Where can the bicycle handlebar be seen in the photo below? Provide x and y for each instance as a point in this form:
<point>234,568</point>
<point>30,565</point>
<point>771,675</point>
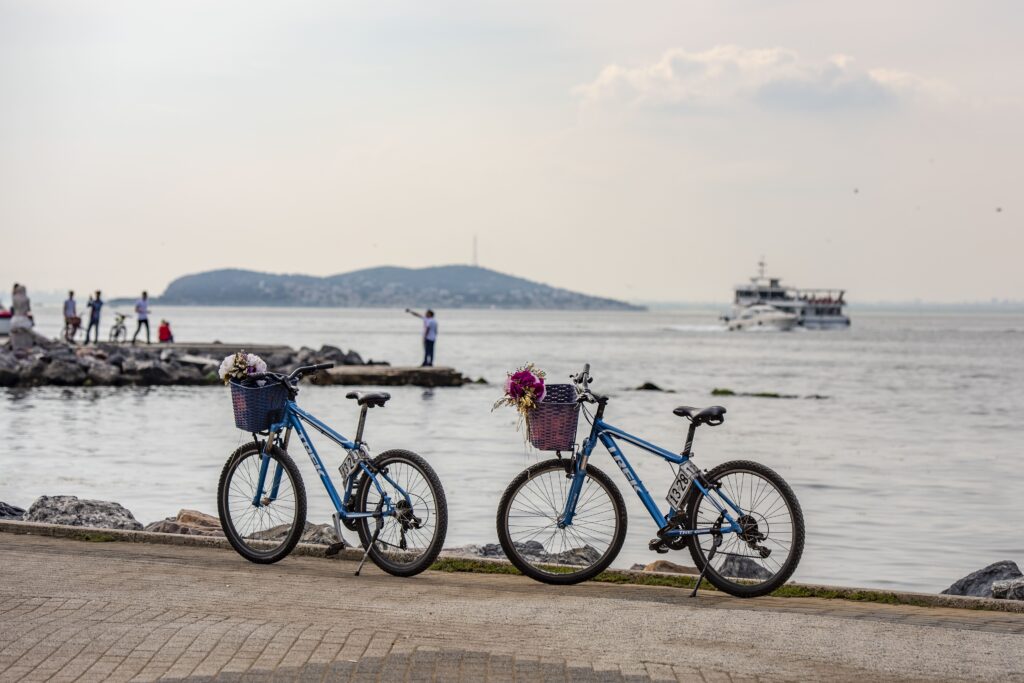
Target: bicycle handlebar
<point>582,381</point>
<point>295,375</point>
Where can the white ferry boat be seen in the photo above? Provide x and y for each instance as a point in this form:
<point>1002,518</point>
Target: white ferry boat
<point>762,317</point>
<point>813,308</point>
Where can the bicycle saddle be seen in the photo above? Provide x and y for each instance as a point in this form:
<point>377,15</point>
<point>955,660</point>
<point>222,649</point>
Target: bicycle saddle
<point>370,399</point>
<point>713,415</point>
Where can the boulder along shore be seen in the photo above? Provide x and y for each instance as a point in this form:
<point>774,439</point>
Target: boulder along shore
<point>57,363</point>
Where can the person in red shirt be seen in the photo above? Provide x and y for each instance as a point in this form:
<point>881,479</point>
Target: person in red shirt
<point>164,333</point>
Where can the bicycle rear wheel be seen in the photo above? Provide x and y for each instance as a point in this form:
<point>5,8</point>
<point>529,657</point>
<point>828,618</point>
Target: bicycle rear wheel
<point>409,541</point>
<point>528,523</point>
<point>772,522</point>
<point>265,532</point>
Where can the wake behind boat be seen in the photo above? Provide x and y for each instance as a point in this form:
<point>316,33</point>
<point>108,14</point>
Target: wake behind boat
<point>765,301</point>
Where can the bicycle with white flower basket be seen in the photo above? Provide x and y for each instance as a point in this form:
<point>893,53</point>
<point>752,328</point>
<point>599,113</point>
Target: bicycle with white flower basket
<point>394,501</point>
<point>563,521</point>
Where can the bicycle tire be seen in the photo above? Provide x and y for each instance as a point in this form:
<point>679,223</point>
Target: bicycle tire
<point>439,513</point>
<point>745,587</point>
<point>118,334</point>
<point>258,553</point>
<point>557,573</point>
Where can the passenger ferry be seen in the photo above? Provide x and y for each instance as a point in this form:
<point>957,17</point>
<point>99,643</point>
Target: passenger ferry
<point>813,308</point>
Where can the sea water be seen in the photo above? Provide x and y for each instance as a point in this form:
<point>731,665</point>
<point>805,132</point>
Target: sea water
<point>907,464</point>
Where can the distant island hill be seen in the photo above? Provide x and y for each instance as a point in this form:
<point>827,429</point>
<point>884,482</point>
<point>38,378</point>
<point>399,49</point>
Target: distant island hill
<point>435,287</point>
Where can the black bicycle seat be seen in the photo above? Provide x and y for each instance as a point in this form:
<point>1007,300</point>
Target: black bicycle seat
<point>370,399</point>
<point>713,415</point>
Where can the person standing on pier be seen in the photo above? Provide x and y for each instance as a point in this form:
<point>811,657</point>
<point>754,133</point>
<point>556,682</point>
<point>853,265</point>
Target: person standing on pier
<point>142,311</point>
<point>22,322</point>
<point>71,319</point>
<point>429,335</point>
<point>94,305</point>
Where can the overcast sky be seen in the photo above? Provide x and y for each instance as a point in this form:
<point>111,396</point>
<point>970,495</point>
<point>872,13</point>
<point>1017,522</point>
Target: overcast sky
<point>647,151</point>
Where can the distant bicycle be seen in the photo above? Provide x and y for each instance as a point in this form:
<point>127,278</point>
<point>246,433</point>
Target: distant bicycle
<point>72,326</point>
<point>118,331</point>
<point>563,521</point>
<point>394,501</point>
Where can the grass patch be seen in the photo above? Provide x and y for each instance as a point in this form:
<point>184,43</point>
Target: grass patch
<point>685,581</point>
<point>98,537</point>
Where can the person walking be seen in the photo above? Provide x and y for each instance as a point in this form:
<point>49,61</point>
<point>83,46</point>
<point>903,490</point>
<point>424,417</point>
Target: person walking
<point>94,306</point>
<point>22,337</point>
<point>142,311</point>
<point>429,335</point>
<point>71,320</point>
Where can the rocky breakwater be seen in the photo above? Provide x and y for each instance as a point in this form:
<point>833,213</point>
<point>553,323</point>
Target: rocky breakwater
<point>103,514</point>
<point>61,364</point>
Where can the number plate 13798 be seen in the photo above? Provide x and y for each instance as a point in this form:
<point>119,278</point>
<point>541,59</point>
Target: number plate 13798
<point>677,492</point>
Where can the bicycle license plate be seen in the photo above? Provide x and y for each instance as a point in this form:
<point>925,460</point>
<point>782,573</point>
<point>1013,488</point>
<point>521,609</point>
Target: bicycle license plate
<point>350,464</point>
<point>677,492</point>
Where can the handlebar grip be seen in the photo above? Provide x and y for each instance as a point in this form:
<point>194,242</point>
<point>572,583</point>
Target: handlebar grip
<point>320,366</point>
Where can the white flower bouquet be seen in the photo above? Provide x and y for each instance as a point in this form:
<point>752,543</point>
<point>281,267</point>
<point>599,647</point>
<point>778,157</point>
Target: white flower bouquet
<point>241,366</point>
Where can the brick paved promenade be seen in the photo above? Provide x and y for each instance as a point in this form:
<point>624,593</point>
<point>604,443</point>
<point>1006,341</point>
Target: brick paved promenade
<point>93,611</point>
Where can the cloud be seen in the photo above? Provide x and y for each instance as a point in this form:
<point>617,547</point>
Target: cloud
<point>727,75</point>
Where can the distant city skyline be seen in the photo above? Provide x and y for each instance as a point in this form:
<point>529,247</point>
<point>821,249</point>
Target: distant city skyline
<point>646,155</point>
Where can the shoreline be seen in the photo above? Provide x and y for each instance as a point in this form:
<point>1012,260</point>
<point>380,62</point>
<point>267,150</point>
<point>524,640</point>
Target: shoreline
<point>476,565</point>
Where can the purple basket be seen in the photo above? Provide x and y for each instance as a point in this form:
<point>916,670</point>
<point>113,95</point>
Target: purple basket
<point>552,424</point>
<point>256,408</point>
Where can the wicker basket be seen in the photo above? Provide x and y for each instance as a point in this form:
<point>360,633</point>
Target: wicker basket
<point>552,424</point>
<point>256,408</point>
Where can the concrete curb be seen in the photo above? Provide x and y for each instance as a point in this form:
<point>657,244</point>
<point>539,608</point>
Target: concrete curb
<point>312,550</point>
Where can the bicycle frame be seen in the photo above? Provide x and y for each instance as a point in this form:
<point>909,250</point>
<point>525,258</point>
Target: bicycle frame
<point>608,435</point>
<point>293,419</point>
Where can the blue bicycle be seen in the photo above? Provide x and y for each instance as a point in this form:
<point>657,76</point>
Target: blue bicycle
<point>563,521</point>
<point>394,501</point>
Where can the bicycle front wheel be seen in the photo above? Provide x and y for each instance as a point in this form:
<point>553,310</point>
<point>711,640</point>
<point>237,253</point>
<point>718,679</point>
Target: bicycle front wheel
<point>762,557</point>
<point>530,530</point>
<point>410,540</point>
<point>118,334</point>
<point>262,524</point>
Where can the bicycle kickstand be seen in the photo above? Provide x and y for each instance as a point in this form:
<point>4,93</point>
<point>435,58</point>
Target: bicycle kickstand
<point>376,533</point>
<point>716,534</point>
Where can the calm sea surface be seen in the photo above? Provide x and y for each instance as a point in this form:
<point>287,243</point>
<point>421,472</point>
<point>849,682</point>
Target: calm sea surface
<point>909,473</point>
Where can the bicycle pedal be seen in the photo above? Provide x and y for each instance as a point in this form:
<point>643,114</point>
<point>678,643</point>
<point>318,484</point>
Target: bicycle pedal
<point>658,546</point>
<point>333,549</point>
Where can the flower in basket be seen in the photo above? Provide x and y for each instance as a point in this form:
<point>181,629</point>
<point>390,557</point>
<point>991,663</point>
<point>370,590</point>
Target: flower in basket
<point>524,389</point>
<point>241,366</point>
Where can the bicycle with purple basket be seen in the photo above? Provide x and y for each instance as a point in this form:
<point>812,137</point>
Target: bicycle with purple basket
<point>563,521</point>
<point>394,501</point>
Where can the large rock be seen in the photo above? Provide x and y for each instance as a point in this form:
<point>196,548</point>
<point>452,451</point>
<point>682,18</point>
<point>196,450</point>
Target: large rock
<point>64,372</point>
<point>75,512</point>
<point>1010,589</point>
<point>8,511</point>
<point>533,551</point>
<point>9,374</point>
<point>979,583</point>
<point>671,567</point>
<point>189,523</point>
<point>322,534</point>
<point>738,567</point>
<point>103,373</point>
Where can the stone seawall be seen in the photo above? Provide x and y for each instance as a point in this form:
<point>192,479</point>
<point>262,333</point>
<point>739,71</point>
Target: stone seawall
<point>56,363</point>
